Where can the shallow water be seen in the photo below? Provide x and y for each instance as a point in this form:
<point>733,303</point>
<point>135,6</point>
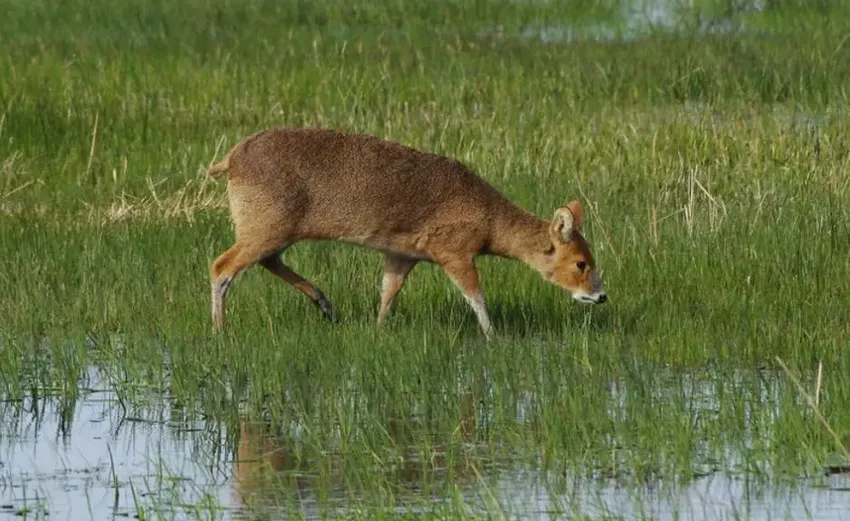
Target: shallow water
<point>99,464</point>
<point>96,461</point>
<point>639,18</point>
<point>714,497</point>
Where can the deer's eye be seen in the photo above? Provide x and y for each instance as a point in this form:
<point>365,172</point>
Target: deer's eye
<point>581,265</point>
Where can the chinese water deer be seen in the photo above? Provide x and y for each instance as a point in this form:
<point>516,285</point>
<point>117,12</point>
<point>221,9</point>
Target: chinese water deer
<point>288,185</point>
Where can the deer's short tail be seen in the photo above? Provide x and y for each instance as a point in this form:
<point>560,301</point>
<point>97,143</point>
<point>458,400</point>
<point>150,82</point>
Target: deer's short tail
<point>219,168</point>
<point>224,165</point>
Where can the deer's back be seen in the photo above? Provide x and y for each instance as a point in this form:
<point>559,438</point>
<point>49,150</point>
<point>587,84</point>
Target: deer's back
<point>356,188</point>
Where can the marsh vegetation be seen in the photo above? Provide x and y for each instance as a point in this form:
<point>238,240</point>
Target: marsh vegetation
<point>707,141</point>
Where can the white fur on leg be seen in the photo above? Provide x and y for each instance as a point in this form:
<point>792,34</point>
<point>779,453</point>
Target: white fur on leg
<point>477,304</point>
<point>219,289</point>
<point>386,300</point>
<point>385,282</point>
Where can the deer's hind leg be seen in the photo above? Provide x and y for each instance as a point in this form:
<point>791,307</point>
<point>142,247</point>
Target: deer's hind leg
<point>265,226</point>
<point>227,267</point>
<point>274,264</point>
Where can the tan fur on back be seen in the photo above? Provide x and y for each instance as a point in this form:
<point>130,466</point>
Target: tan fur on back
<point>326,185</point>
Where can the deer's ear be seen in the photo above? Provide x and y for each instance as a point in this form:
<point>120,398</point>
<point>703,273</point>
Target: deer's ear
<point>563,224</point>
<point>578,214</point>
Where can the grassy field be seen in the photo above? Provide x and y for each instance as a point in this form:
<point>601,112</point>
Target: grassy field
<point>711,153</point>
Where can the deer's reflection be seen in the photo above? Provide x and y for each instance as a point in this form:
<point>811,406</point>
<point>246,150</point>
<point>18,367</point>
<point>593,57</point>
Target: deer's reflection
<point>269,467</point>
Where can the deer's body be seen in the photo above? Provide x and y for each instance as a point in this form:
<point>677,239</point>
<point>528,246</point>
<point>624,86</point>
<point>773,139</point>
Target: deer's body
<point>290,185</point>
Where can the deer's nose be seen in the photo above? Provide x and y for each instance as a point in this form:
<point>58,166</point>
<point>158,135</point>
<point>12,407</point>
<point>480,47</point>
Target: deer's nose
<point>602,298</point>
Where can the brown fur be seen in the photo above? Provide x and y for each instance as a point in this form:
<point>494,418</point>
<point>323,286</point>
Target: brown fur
<point>290,185</point>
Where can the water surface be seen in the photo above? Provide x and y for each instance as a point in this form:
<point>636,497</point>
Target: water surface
<point>94,460</point>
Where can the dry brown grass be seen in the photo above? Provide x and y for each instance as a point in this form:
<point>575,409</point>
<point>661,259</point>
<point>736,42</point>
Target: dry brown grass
<point>200,194</point>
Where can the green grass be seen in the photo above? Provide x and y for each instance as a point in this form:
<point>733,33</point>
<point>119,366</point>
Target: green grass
<point>714,169</point>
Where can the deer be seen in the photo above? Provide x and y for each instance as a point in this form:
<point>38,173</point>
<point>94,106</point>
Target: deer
<point>292,184</point>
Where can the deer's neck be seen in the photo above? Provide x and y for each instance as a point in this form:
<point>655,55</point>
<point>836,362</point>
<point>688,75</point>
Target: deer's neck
<point>518,234</point>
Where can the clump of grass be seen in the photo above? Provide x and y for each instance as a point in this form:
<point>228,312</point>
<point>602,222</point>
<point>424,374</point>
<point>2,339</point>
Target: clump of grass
<point>199,195</point>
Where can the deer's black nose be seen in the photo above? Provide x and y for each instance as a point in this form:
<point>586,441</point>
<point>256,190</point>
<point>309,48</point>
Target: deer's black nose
<point>602,298</point>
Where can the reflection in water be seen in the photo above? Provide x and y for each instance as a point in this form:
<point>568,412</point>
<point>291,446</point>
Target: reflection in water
<point>89,459</point>
<point>268,470</point>
<point>260,456</point>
